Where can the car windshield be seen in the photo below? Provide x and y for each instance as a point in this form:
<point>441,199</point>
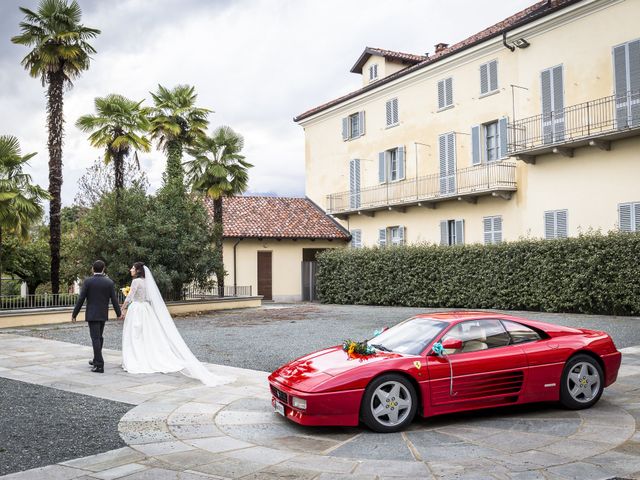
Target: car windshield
<point>411,336</point>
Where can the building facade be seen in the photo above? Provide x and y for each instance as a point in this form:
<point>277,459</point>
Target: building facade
<point>528,129</point>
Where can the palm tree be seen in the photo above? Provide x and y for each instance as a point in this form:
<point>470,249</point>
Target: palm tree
<point>176,123</point>
<point>119,126</point>
<point>60,53</point>
<point>20,200</point>
<point>218,170</point>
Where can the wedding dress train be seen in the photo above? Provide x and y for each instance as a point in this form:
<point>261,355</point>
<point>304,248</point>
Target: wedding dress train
<point>151,342</point>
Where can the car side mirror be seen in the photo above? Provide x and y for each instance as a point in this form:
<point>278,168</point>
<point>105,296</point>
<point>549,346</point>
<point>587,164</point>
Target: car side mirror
<point>452,344</point>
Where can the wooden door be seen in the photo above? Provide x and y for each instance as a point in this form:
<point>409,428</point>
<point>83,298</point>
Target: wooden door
<point>265,275</point>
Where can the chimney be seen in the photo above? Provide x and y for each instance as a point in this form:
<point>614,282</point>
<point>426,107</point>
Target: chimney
<point>441,46</point>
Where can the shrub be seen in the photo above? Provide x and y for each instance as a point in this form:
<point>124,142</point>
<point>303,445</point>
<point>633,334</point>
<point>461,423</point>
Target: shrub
<point>591,273</point>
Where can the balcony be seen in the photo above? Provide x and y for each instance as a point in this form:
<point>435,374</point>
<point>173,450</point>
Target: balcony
<point>595,123</point>
<point>493,179</point>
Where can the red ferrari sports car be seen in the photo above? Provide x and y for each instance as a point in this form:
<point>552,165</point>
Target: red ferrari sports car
<point>446,362</point>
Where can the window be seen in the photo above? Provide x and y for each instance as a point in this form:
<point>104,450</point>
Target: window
<point>478,335</point>
<point>492,229</point>
<point>489,77</point>
<point>489,141</point>
<point>391,165</point>
<point>626,68</point>
<point>356,238</point>
<point>391,236</point>
<point>373,72</point>
<point>555,224</point>
<point>445,93</point>
<point>629,217</point>
<point>392,112</point>
<point>452,232</point>
<point>552,96</point>
<point>353,126</point>
<point>520,333</point>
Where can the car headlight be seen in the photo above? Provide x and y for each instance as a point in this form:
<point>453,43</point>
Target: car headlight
<point>299,403</point>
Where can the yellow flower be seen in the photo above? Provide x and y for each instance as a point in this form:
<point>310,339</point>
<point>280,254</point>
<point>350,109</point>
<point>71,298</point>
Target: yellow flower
<point>125,290</point>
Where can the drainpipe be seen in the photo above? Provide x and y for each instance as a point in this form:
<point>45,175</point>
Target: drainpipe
<point>235,277</point>
<point>504,42</point>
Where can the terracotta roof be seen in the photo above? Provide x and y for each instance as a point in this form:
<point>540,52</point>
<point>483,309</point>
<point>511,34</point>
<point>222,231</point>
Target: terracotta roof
<point>529,14</point>
<point>407,58</point>
<point>276,217</point>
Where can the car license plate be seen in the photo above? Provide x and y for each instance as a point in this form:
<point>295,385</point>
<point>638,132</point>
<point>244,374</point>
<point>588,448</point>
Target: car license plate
<point>279,408</point>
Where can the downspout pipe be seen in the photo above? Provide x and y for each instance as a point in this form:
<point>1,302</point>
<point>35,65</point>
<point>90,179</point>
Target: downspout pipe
<point>504,42</point>
<point>235,279</point>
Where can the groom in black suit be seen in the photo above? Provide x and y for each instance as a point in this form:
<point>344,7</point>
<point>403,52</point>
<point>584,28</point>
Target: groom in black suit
<point>97,290</point>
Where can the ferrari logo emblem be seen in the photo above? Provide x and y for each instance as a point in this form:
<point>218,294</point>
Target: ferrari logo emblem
<point>417,364</point>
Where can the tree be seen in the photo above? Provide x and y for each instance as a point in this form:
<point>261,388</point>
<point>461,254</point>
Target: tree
<point>98,180</point>
<point>218,170</point>
<point>119,126</point>
<point>176,123</point>
<point>29,261</point>
<point>20,200</point>
<point>60,52</point>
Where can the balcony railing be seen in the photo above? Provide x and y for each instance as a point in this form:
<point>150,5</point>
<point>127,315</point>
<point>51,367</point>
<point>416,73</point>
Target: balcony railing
<point>497,178</point>
<point>592,123</point>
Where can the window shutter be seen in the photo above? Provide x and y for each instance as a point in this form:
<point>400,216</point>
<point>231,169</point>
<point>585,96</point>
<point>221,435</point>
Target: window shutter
<point>345,129</point>
<point>625,216</point>
<point>636,217</point>
<point>395,110</point>
<point>503,137</point>
<point>382,167</point>
<point>497,229</point>
<point>558,104</point>
<point>441,95</point>
<point>459,232</point>
<point>354,183</point>
<point>401,160</point>
<point>442,154</point>
<point>401,235</point>
<point>634,82</point>
<point>484,78</point>
<point>488,228</point>
<point>476,159</point>
<point>549,225</point>
<point>389,113</point>
<point>561,223</point>
<point>547,107</point>
<point>382,237</point>
<point>451,162</point>
<point>493,75</point>
<point>620,73</point>
<point>444,232</point>
<point>361,122</point>
<point>448,91</point>
<point>356,238</point>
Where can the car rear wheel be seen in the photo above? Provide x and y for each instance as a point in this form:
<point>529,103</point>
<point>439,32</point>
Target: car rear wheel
<point>389,403</point>
<point>582,382</point>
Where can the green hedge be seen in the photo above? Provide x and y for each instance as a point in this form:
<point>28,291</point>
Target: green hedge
<point>592,273</point>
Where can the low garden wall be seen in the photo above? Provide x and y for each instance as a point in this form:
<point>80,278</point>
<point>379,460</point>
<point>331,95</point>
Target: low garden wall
<point>588,274</point>
<point>25,318</point>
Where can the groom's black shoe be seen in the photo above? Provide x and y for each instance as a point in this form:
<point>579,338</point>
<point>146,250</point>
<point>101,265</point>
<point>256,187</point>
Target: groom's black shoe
<point>91,362</point>
<point>97,369</point>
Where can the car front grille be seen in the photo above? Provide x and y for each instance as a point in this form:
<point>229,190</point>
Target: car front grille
<point>279,394</point>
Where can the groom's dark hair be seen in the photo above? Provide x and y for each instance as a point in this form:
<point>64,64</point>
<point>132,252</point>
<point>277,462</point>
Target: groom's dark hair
<point>98,266</point>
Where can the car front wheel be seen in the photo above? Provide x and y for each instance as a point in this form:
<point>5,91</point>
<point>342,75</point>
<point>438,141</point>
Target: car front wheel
<point>389,403</point>
<point>582,382</point>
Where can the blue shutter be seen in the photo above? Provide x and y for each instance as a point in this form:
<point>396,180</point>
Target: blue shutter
<point>389,113</point>
<point>476,157</point>
<point>549,225</point>
<point>558,104</point>
<point>400,158</point>
<point>503,137</point>
<point>451,162</point>
<point>444,232</point>
<point>561,224</point>
<point>634,82</point>
<point>354,183</point>
<point>497,229</point>
<point>448,91</point>
<point>493,76</point>
<point>636,217</point>
<point>487,224</point>
<point>382,167</point>
<point>361,122</point>
<point>345,129</point>
<point>624,217</point>
<point>459,232</point>
<point>441,94</point>
<point>401,235</point>
<point>547,106</point>
<point>621,85</point>
<point>484,79</point>
<point>442,155</point>
<point>382,237</point>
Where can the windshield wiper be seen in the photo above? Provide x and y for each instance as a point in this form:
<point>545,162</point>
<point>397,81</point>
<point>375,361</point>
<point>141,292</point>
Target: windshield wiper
<point>380,347</point>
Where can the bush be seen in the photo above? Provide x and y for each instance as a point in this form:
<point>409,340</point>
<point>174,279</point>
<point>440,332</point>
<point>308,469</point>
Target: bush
<point>592,273</point>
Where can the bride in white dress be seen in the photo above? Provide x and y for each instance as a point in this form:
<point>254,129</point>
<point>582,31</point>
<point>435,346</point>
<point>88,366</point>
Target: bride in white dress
<point>151,342</point>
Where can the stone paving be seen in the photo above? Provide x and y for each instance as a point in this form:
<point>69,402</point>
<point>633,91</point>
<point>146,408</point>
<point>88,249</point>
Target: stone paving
<point>181,429</point>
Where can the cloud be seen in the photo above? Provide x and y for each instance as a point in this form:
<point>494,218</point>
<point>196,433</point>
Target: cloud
<point>256,63</point>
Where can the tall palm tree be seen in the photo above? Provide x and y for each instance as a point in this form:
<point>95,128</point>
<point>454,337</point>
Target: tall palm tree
<point>176,123</point>
<point>60,52</point>
<point>218,170</point>
<point>119,126</point>
<point>20,200</point>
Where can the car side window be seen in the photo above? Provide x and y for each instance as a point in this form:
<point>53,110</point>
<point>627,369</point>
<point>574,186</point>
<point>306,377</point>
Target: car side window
<point>520,333</point>
<point>478,335</point>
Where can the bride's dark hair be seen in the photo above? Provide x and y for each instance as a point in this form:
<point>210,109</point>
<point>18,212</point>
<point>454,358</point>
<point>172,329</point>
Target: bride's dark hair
<point>139,266</point>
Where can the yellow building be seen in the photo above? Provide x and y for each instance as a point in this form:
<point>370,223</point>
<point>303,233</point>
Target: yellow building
<point>530,128</point>
<point>271,243</point>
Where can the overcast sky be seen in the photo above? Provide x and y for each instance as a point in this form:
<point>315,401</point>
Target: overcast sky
<point>256,63</point>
